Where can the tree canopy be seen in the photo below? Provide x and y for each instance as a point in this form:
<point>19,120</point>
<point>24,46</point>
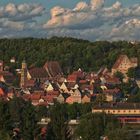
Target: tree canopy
<point>71,53</point>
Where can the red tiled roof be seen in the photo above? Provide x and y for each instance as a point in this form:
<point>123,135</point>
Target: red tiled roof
<point>1,92</point>
<point>30,83</point>
<point>113,80</point>
<point>40,92</point>
<point>49,98</point>
<point>43,104</point>
<point>72,78</point>
<point>53,93</point>
<point>82,81</point>
<point>70,99</point>
<point>70,85</point>
<point>38,73</point>
<point>88,87</point>
<point>53,68</point>
<point>79,74</point>
<point>35,96</point>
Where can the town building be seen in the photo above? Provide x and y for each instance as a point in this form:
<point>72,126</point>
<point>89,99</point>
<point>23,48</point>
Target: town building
<point>123,63</point>
<point>125,112</point>
<point>53,68</point>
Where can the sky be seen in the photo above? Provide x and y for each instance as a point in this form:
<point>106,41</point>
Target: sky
<point>86,19</point>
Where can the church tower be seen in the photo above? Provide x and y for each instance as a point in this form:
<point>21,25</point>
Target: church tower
<point>23,78</point>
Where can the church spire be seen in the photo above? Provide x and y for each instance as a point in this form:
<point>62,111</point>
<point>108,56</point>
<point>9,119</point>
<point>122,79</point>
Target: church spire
<point>23,78</point>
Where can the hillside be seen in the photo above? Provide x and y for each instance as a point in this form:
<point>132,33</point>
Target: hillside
<point>71,53</point>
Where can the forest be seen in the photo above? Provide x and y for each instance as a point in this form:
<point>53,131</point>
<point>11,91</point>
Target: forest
<point>69,52</point>
<point>23,116</point>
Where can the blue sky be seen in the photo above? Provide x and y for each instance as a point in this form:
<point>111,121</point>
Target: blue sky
<point>65,3</point>
<point>87,19</point>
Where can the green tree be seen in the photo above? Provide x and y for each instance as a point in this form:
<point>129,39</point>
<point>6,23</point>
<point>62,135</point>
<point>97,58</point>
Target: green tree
<point>119,134</point>
<point>28,122</point>
<point>5,117</point>
<point>63,50</point>
<point>131,73</point>
<point>59,122</point>
<point>94,125</point>
<point>119,75</point>
<point>42,111</point>
<point>16,106</point>
<point>4,136</point>
<point>134,98</point>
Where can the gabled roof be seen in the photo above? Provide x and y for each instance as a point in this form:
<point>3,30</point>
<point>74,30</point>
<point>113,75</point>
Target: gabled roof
<point>112,80</point>
<point>30,83</point>
<point>86,95</point>
<point>53,93</point>
<point>35,96</point>
<point>80,74</point>
<point>65,95</point>
<point>86,87</point>
<point>55,86</point>
<point>119,60</point>
<point>70,85</point>
<point>8,77</point>
<point>53,68</point>
<point>72,78</point>
<point>38,73</point>
<point>82,81</point>
<point>49,98</point>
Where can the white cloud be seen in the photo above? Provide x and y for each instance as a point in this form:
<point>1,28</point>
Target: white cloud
<point>97,4</point>
<point>117,5</point>
<point>23,8</point>
<point>14,25</point>
<point>5,23</point>
<point>94,18</point>
<point>93,21</point>
<point>81,6</point>
<point>11,9</point>
<point>128,30</point>
<point>21,12</point>
<point>37,10</point>
<point>17,17</point>
<point>56,11</point>
<point>71,18</point>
